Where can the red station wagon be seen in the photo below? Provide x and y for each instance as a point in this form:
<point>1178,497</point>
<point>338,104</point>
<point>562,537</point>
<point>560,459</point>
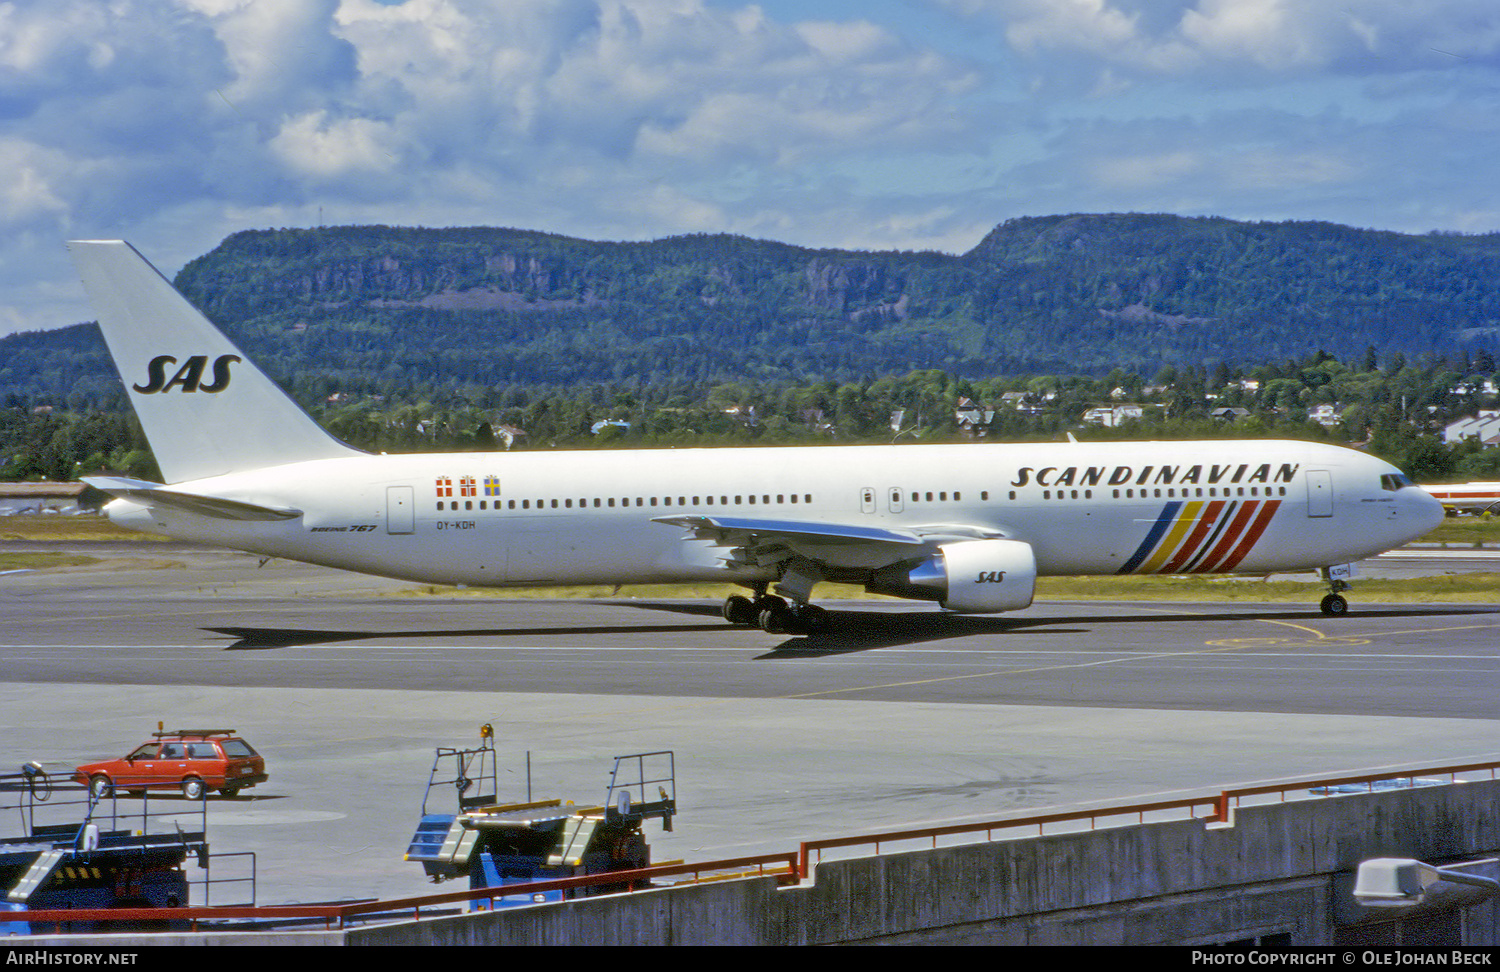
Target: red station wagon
<point>197,760</point>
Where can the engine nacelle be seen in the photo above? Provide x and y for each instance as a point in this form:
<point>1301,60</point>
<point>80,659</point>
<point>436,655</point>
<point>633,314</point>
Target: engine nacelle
<point>971,576</point>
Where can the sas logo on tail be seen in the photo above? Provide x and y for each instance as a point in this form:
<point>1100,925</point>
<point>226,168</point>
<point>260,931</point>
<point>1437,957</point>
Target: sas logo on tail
<point>189,377</point>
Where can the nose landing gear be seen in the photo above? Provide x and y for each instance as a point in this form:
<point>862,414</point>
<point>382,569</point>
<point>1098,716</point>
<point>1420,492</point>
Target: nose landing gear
<point>1333,603</point>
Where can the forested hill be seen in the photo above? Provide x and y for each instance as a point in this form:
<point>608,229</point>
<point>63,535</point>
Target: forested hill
<point>378,308</point>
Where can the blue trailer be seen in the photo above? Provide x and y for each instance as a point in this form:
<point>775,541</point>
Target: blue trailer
<point>75,850</point>
<point>496,842</point>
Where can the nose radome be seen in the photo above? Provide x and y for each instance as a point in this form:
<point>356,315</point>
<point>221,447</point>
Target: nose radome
<point>1424,512</point>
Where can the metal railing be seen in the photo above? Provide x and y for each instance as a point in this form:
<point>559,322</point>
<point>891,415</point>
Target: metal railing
<point>810,851</point>
<point>210,882</point>
<point>54,807</point>
<point>1233,797</point>
<point>72,817</point>
<point>338,915</point>
<point>788,868</point>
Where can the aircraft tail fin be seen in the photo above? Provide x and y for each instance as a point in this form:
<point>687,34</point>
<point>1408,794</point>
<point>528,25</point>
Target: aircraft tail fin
<point>206,409</point>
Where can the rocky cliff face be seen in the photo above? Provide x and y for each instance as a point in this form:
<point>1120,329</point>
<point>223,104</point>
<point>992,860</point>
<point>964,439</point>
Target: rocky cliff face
<point>249,274</point>
<point>1085,292</point>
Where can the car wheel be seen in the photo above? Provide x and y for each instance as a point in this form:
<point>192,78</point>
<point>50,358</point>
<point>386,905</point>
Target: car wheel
<point>101,787</point>
<point>230,792</point>
<point>192,789</point>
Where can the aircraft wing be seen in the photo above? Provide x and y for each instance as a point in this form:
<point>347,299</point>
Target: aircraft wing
<point>155,494</point>
<point>761,542</point>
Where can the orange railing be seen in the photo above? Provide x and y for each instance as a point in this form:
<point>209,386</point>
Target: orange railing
<point>781,866</point>
<point>810,851</point>
<point>787,868</point>
<point>1369,779</point>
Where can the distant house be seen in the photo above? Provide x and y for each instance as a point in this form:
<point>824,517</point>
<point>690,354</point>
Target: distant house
<point>38,497</point>
<point>1485,427</point>
<point>972,419</point>
<point>743,414</point>
<point>1110,416</point>
<point>1326,415</point>
<point>813,418</point>
<point>1230,413</point>
<point>1024,401</point>
<point>508,434</point>
<point>1474,386</point>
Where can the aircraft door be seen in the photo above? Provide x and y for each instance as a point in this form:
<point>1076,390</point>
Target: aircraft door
<point>400,510</point>
<point>894,501</point>
<point>1319,492</point>
<point>867,499</point>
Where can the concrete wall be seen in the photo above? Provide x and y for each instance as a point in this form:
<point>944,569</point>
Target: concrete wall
<point>1282,870</point>
<point>1276,870</point>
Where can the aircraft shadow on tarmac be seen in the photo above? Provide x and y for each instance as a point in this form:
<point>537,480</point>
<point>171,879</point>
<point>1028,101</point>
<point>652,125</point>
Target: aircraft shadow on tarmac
<point>852,631</point>
<point>848,631</point>
<point>262,639</point>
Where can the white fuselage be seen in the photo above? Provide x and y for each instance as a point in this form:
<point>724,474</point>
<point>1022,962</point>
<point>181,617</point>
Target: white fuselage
<point>1466,496</point>
<point>554,518</point>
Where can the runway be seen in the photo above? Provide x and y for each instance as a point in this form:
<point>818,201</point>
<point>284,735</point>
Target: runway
<point>903,715</point>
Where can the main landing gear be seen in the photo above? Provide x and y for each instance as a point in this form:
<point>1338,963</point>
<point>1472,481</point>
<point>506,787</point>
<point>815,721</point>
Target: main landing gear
<point>775,615</point>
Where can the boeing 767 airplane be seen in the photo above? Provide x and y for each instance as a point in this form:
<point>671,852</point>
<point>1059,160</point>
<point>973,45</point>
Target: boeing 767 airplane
<point>970,527</point>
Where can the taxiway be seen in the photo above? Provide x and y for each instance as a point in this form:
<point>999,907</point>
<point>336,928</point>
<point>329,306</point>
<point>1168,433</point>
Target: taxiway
<point>902,716</point>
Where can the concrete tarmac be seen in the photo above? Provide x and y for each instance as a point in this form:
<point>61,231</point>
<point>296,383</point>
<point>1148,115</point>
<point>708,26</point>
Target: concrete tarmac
<point>904,717</point>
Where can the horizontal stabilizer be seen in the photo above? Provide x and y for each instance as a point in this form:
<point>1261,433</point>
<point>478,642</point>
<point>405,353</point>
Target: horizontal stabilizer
<point>155,494</point>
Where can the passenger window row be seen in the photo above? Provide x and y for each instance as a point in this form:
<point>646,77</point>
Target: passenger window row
<point>611,502</point>
<point>768,499</point>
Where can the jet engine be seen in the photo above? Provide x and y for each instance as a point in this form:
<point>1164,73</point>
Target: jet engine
<point>970,576</point>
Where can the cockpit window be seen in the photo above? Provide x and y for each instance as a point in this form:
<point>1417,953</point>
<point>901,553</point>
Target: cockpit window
<point>1394,482</point>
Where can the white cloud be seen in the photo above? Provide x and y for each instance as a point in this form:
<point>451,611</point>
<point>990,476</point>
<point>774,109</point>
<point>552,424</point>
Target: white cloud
<point>176,122</point>
<point>326,148</point>
<point>676,79</point>
<point>1179,36</point>
<point>632,118</point>
<point>282,53</point>
<point>26,191</point>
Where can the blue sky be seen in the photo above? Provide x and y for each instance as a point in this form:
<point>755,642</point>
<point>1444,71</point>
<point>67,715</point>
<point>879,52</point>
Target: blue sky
<point>912,124</point>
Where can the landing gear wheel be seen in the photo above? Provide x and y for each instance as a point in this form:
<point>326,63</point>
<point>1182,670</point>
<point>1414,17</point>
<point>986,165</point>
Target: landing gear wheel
<point>764,602</point>
<point>777,617</point>
<point>1334,605</point>
<point>812,618</point>
<point>739,609</point>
